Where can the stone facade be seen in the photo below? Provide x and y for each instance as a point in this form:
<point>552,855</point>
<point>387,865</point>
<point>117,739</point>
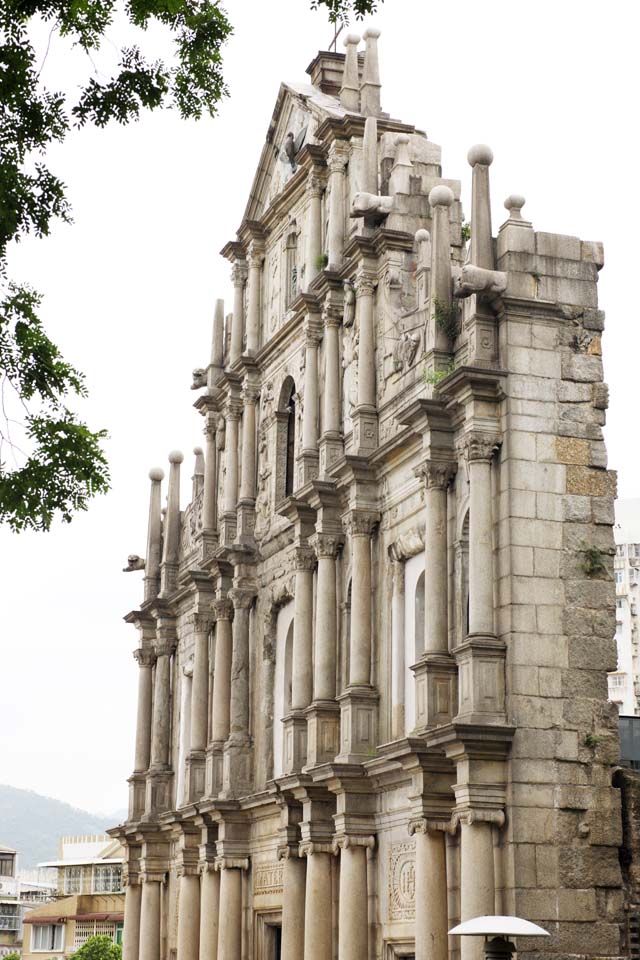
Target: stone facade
<point>374,646</point>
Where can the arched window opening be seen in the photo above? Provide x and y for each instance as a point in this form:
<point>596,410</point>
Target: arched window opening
<point>291,443</point>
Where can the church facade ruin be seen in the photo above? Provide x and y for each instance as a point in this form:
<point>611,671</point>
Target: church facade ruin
<point>373,647</point>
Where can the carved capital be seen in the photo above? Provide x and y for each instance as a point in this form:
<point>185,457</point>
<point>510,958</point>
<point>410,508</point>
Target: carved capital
<point>436,474</point>
<point>242,598</point>
<point>256,254</point>
<point>222,609</point>
<point>315,185</point>
<point>365,284</point>
<point>326,544</point>
<point>304,558</point>
<point>480,446</point>
<point>287,850</point>
<point>422,825</point>
<point>312,332</point>
<point>232,863</point>
<point>309,847</point>
<point>349,840</point>
<point>233,410</point>
<point>201,622</point>
<point>165,648</point>
<point>337,161</point>
<point>144,656</point>
<point>359,523</point>
<point>496,818</point>
<point>239,273</point>
<point>250,393</point>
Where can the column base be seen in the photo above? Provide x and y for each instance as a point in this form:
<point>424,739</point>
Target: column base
<point>364,434</point>
<point>213,779</point>
<point>295,742</point>
<point>323,732</point>
<point>236,769</point>
<point>307,467</point>
<point>158,792</point>
<point>246,522</point>
<point>195,776</point>
<point>358,724</point>
<point>228,529</point>
<point>331,450</point>
<point>436,690</point>
<point>481,683</point>
<point>137,790</point>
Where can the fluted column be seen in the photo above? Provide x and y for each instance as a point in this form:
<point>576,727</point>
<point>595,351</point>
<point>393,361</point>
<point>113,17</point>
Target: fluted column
<point>154,536</point>
<point>237,751</point>
<point>171,542</point>
<point>209,912</point>
<point>350,88</point>
<point>337,163</point>
<point>254,296</point>
<point>230,931</point>
<point>431,923</point>
<point>353,924</point>
<point>189,917</point>
<point>314,229</point>
<point>150,920</point>
<point>239,277</point>
<point>132,906</point>
<point>146,659</point>
<point>318,927</point>
<point>366,349</point>
<point>479,450</point>
<point>293,903</point>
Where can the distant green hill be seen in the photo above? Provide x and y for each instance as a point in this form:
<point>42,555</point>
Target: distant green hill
<point>33,824</point>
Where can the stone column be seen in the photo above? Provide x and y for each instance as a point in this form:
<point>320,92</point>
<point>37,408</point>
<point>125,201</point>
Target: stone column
<point>314,229</point>
<point>237,754</point>
<point>189,917</point>
<point>199,709</point>
<point>397,647</point>
<point>480,158</point>
<point>436,673</point>
<point>431,891</point>
<point>353,922</point>
<point>221,700</point>
<point>364,418</point>
<point>132,906</point>
<point>310,456</point>
<point>370,89</point>
<point>217,347</point>
<point>209,912</point>
<point>230,931</point>
<point>171,542</point>
<point>146,659</point>
<point>349,90</point>
<point>331,446</point>
<point>210,496</point>
<point>480,450</point>
<point>326,648</point>
<point>150,920</point>
<point>337,162</point>
<point>230,492</point>
<point>477,883</point>
<point>247,502</point>
<point>293,903</point>
<point>295,725</point>
<point>162,705</point>
<point>239,277</point>
<point>154,536</point>
<point>254,296</point>
<point>370,157</point>
<point>318,927</point>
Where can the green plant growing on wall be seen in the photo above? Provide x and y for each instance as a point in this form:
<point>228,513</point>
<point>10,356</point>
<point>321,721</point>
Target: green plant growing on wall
<point>446,317</point>
<point>592,740</point>
<point>434,377</point>
<point>322,261</point>
<point>593,560</point>
<point>465,231</point>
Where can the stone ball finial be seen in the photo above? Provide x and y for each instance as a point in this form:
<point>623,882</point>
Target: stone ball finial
<point>441,196</point>
<point>480,153</point>
<point>372,32</point>
<point>402,138</point>
<point>176,456</point>
<point>422,236</point>
<point>197,451</point>
<point>514,204</point>
<point>156,474</point>
<point>351,38</point>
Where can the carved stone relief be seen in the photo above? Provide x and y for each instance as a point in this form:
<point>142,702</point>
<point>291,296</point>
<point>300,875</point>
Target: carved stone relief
<point>267,878</point>
<point>402,880</point>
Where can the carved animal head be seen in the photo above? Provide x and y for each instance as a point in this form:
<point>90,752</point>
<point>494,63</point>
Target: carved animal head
<point>199,376</point>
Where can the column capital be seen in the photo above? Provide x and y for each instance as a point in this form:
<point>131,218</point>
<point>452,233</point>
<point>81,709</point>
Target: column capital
<point>222,608</point>
<point>201,622</point>
<point>288,851</point>
<point>437,474</point>
<point>350,840</point>
<point>242,597</point>
<point>145,656</point>
<point>424,825</point>
<point>256,254</point>
<point>480,446</point>
<point>331,314</point>
<point>365,284</point>
<point>231,863</point>
<point>211,423</point>
<point>304,558</point>
<point>250,393</point>
<point>239,273</point>
<point>315,185</point>
<point>312,332</point>
<point>359,522</point>
<point>309,847</point>
<point>472,815</point>
<point>165,647</point>
<point>338,156</point>
<point>326,544</point>
<point>233,409</point>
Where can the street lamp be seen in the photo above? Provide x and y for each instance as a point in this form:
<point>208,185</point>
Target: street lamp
<point>500,929</point>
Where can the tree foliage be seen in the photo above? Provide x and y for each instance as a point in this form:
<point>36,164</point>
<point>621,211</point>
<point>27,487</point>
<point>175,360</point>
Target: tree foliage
<point>65,465</point>
<point>98,948</point>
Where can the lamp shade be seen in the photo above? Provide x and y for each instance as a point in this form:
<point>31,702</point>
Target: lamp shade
<point>498,927</point>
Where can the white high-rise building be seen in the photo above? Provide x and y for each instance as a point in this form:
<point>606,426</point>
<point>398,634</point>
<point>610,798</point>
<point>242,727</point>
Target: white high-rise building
<point>624,683</point>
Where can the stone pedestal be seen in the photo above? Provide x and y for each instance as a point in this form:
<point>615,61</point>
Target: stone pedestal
<point>228,529</point>
<point>137,792</point>
<point>236,769</point>
<point>436,690</point>
<point>213,778</point>
<point>323,732</point>
<point>481,680</point>
<point>246,523</point>
<point>295,742</point>
<point>358,724</point>
<point>364,420</point>
<point>196,764</point>
<point>158,795</point>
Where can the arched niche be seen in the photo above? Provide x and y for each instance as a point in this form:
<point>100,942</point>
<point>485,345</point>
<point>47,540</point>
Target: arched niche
<point>282,681</point>
<point>285,440</point>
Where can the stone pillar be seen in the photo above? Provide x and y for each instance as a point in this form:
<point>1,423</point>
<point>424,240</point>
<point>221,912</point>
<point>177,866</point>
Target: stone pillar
<point>199,709</point>
<point>230,492</point>
<point>150,920</point>
<point>309,456</point>
<point>237,752</point>
<point>337,162</point>
<point>331,445</point>
<point>364,417</point>
<point>254,296</point>
<point>239,277</point>
<point>370,89</point>
<point>477,883</point>
<point>480,158</point>
<point>132,906</point>
<point>221,700</point>
<point>189,917</point>
<point>230,931</point>
<point>295,725</point>
<point>154,536</point>
<point>171,543</point>
<point>314,229</point>
<point>353,922</point>
<point>350,88</point>
<point>162,705</point>
<point>247,502</point>
<point>209,912</point>
<point>210,496</point>
<point>146,659</point>
<point>318,927</point>
<point>423,267</point>
<point>436,672</point>
<point>479,451</point>
<point>217,347</point>
<point>440,199</point>
<point>400,179</point>
<point>397,648</point>
<point>293,904</point>
<point>370,157</point>
<point>431,891</point>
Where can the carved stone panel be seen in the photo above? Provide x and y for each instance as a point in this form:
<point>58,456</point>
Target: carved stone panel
<point>267,878</point>
<point>402,880</point>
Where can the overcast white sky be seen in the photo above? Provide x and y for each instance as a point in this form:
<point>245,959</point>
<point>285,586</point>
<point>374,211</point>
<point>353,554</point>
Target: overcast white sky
<point>129,292</point>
